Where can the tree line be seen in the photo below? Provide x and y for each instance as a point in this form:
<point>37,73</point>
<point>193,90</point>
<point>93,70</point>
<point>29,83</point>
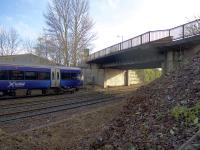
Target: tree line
<point>68,32</point>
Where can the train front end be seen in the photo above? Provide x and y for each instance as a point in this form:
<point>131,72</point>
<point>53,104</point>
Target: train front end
<point>71,78</point>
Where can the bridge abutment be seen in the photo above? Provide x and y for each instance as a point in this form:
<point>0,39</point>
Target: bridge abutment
<point>115,77</point>
<point>169,63</point>
<point>174,58</point>
<point>108,77</point>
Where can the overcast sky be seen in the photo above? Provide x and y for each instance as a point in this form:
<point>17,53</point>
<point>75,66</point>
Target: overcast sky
<point>113,18</point>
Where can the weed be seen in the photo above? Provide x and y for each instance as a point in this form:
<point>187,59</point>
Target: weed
<point>187,115</point>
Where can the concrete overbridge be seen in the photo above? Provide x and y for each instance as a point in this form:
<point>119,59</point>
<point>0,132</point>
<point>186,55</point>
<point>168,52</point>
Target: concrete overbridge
<point>165,49</point>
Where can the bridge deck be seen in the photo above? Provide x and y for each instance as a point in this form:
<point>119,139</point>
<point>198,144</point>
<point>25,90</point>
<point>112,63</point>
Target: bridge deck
<point>147,46</point>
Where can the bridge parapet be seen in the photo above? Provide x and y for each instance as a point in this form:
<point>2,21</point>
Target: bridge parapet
<point>177,33</point>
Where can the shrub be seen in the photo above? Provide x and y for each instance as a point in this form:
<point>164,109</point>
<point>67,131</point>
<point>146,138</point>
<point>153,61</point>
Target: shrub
<point>187,115</point>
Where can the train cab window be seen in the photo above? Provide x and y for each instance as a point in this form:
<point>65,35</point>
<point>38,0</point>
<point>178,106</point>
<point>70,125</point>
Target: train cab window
<point>16,75</point>
<point>30,75</point>
<point>3,75</point>
<point>74,76</point>
<point>43,76</point>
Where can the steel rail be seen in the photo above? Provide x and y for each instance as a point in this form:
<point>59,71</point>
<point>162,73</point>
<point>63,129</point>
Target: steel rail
<point>32,101</point>
<point>30,106</point>
<point>41,105</point>
<point>41,101</point>
<point>47,110</point>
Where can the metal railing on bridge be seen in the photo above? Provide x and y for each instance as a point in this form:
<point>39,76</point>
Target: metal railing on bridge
<point>177,33</point>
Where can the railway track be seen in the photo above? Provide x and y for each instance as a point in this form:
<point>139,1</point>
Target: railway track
<point>82,91</point>
<point>42,100</point>
<point>35,105</point>
<point>3,98</point>
<point>54,108</point>
<point>26,109</point>
<point>25,96</point>
<point>23,101</point>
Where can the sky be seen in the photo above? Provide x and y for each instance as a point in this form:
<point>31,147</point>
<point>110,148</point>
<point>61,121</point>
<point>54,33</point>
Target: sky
<point>114,19</point>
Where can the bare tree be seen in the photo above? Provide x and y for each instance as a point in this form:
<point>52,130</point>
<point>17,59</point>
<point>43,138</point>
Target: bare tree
<point>69,23</point>
<point>9,41</point>
<point>193,28</point>
<point>13,41</point>
<point>2,40</point>
<point>81,26</point>
<point>57,20</point>
<point>28,46</point>
<point>48,47</point>
<point>41,48</point>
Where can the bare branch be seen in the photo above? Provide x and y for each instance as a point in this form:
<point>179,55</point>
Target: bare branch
<point>9,41</point>
<point>69,23</point>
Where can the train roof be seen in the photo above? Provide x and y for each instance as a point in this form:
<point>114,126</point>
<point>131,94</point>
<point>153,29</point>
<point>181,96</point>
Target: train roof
<point>39,67</point>
<point>70,68</point>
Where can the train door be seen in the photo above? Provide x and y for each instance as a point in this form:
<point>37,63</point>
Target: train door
<point>53,77</point>
<point>58,76</point>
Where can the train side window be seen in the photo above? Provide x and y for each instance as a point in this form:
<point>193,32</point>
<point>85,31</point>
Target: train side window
<point>16,75</point>
<point>30,75</point>
<point>43,76</point>
<point>65,76</point>
<point>3,75</point>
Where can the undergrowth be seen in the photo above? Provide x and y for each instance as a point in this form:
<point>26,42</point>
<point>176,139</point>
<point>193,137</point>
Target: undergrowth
<point>190,116</point>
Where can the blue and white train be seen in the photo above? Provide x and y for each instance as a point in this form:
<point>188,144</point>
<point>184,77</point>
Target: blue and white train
<point>14,77</point>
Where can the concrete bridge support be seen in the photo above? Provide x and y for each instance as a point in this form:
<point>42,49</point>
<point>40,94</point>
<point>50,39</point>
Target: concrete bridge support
<point>118,77</point>
<point>174,58</point>
<point>115,77</point>
<point>133,78</point>
<point>92,74</point>
<point>109,77</point>
<point>170,62</point>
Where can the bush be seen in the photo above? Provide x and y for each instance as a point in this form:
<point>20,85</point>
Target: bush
<point>188,115</point>
<point>151,74</point>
